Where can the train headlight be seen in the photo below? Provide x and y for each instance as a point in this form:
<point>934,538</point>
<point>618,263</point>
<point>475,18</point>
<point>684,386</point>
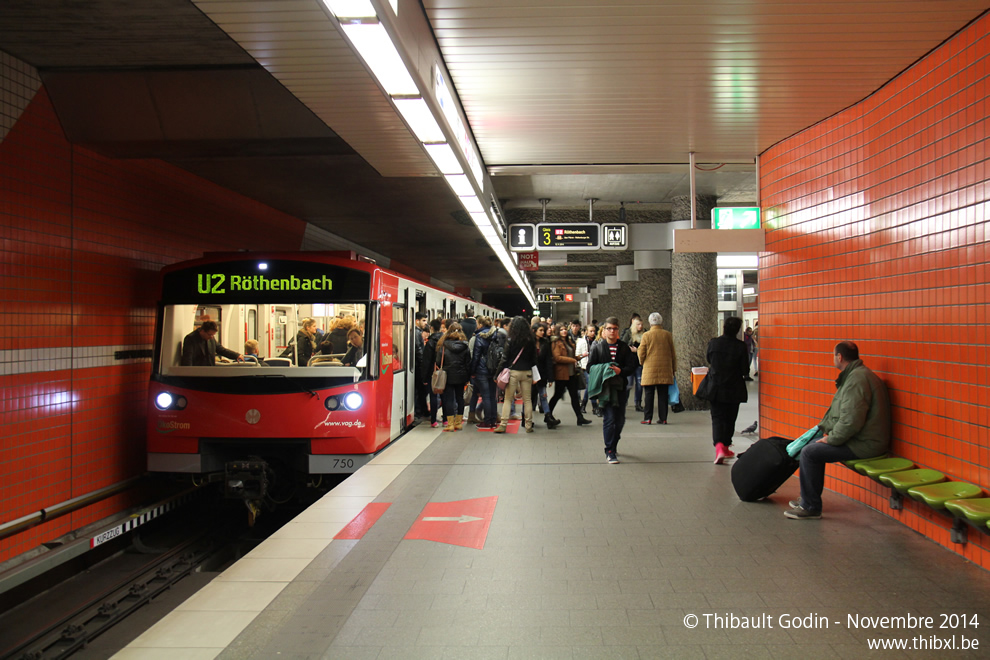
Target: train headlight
<point>331,403</point>
<point>353,400</point>
<point>164,401</point>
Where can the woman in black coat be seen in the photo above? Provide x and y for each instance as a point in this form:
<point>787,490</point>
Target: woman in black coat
<point>544,362</point>
<point>454,357</point>
<point>729,360</point>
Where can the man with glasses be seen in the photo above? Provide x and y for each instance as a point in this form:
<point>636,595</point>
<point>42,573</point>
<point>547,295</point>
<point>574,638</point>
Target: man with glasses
<point>610,364</point>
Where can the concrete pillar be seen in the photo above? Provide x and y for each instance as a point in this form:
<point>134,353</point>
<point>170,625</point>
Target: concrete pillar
<point>653,290</point>
<point>694,289</point>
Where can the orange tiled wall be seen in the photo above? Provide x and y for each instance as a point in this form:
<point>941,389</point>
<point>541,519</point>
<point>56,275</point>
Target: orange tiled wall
<point>878,232</point>
<point>83,238</point>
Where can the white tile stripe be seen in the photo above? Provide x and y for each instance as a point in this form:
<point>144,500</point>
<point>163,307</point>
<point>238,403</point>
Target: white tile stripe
<point>34,360</point>
<point>235,598</point>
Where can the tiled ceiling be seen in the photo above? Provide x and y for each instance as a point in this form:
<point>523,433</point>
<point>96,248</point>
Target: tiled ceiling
<point>567,99</point>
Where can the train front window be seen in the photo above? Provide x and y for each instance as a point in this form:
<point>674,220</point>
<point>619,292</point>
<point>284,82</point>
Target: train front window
<point>305,339</point>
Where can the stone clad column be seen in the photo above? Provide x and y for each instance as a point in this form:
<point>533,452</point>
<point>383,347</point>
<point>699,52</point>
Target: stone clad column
<point>654,286</point>
<point>694,292</point>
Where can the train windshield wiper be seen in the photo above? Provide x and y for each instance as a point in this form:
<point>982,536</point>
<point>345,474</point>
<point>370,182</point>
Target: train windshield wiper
<point>295,381</point>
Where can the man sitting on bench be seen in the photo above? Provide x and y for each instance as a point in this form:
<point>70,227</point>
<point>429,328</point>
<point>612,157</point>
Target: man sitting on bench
<point>857,425</point>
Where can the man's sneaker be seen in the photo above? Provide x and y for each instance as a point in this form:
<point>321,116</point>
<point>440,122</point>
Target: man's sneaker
<point>794,504</point>
<point>728,452</point>
<point>610,457</point>
<point>720,454</point>
<point>801,513</point>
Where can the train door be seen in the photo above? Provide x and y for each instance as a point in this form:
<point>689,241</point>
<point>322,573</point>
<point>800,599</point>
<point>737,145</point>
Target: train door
<point>402,380</point>
<point>283,316</point>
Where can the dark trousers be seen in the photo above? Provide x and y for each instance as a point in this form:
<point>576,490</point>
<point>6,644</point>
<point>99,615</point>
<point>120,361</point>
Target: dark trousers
<point>485,386</point>
<point>613,419</point>
<point>434,406</point>
<point>570,386</point>
<point>813,458</point>
<point>661,394</point>
<point>453,400</point>
<point>422,398</point>
<point>724,421</point>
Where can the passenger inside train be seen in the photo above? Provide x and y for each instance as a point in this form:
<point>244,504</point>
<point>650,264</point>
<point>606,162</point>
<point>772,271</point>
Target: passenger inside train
<point>270,334</point>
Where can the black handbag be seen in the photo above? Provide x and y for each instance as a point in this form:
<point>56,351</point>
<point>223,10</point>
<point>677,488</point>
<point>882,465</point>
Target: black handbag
<point>706,388</point>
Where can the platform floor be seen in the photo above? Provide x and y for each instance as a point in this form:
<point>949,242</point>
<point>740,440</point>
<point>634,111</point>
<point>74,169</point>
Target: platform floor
<point>582,560</point>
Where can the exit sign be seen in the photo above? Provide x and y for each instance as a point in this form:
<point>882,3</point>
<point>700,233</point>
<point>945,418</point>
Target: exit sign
<point>735,218</point>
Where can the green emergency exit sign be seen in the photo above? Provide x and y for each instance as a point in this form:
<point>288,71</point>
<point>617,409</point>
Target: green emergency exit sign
<point>735,218</point>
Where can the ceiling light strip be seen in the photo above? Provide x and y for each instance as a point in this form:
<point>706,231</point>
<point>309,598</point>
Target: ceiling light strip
<point>361,25</point>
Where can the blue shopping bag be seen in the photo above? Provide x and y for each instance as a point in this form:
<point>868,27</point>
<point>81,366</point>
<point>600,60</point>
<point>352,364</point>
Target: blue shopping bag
<point>805,438</point>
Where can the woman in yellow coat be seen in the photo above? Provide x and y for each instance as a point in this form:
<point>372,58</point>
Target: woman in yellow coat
<point>656,355</point>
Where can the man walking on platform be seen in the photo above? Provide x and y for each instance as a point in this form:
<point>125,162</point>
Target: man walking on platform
<point>610,364</point>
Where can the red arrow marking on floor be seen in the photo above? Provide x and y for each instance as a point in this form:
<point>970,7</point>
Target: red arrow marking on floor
<point>464,523</point>
<point>363,521</point>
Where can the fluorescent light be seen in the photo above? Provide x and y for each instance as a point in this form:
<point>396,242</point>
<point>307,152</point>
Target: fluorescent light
<point>483,222</point>
<point>461,185</point>
<point>738,261</point>
<point>749,291</point>
<point>472,204</point>
<point>372,43</point>
<point>351,8</point>
<point>420,119</point>
<point>443,157</point>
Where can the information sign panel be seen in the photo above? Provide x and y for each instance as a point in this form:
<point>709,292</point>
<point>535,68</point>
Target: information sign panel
<point>735,218</point>
<point>549,297</point>
<point>522,237</point>
<point>569,236</point>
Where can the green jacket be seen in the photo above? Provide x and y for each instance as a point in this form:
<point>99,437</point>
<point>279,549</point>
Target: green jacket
<point>859,416</point>
<point>597,375</point>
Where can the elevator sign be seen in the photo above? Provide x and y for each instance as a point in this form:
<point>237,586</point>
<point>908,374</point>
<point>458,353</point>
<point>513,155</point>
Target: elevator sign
<point>614,236</point>
<point>735,218</point>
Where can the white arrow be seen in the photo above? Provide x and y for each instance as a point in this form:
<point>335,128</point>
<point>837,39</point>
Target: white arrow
<point>460,519</point>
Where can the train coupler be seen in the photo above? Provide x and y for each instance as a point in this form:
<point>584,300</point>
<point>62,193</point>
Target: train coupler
<point>246,480</point>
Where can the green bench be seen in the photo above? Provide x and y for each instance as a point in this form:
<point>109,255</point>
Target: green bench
<point>963,501</point>
<point>973,510</point>
<point>900,482</point>
<point>938,497</point>
<point>874,468</point>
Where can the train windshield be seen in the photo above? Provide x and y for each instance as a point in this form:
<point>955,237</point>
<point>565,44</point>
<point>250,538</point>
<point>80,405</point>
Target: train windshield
<point>311,339</point>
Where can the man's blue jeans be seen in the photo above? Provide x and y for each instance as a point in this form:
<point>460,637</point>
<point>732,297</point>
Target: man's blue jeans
<point>485,387</point>
<point>614,418</point>
<point>813,458</point>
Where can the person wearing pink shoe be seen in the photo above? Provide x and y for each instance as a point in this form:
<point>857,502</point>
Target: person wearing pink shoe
<point>728,358</point>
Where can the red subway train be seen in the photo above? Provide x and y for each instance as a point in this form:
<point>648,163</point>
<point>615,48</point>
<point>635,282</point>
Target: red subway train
<point>284,411</point>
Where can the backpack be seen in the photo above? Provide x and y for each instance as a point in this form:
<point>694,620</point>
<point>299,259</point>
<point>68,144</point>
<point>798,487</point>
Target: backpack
<point>494,355</point>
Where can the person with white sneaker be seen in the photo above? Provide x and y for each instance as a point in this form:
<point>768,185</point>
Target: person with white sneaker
<point>857,425</point>
<point>611,362</point>
<point>729,362</point>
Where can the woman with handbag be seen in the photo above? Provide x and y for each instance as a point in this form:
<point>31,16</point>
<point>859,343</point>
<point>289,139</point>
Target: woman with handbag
<point>658,363</point>
<point>454,358</point>
<point>565,373</point>
<point>515,372</point>
<point>729,360</point>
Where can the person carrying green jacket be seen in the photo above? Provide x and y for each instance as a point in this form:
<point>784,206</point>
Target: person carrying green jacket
<point>856,425</point>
